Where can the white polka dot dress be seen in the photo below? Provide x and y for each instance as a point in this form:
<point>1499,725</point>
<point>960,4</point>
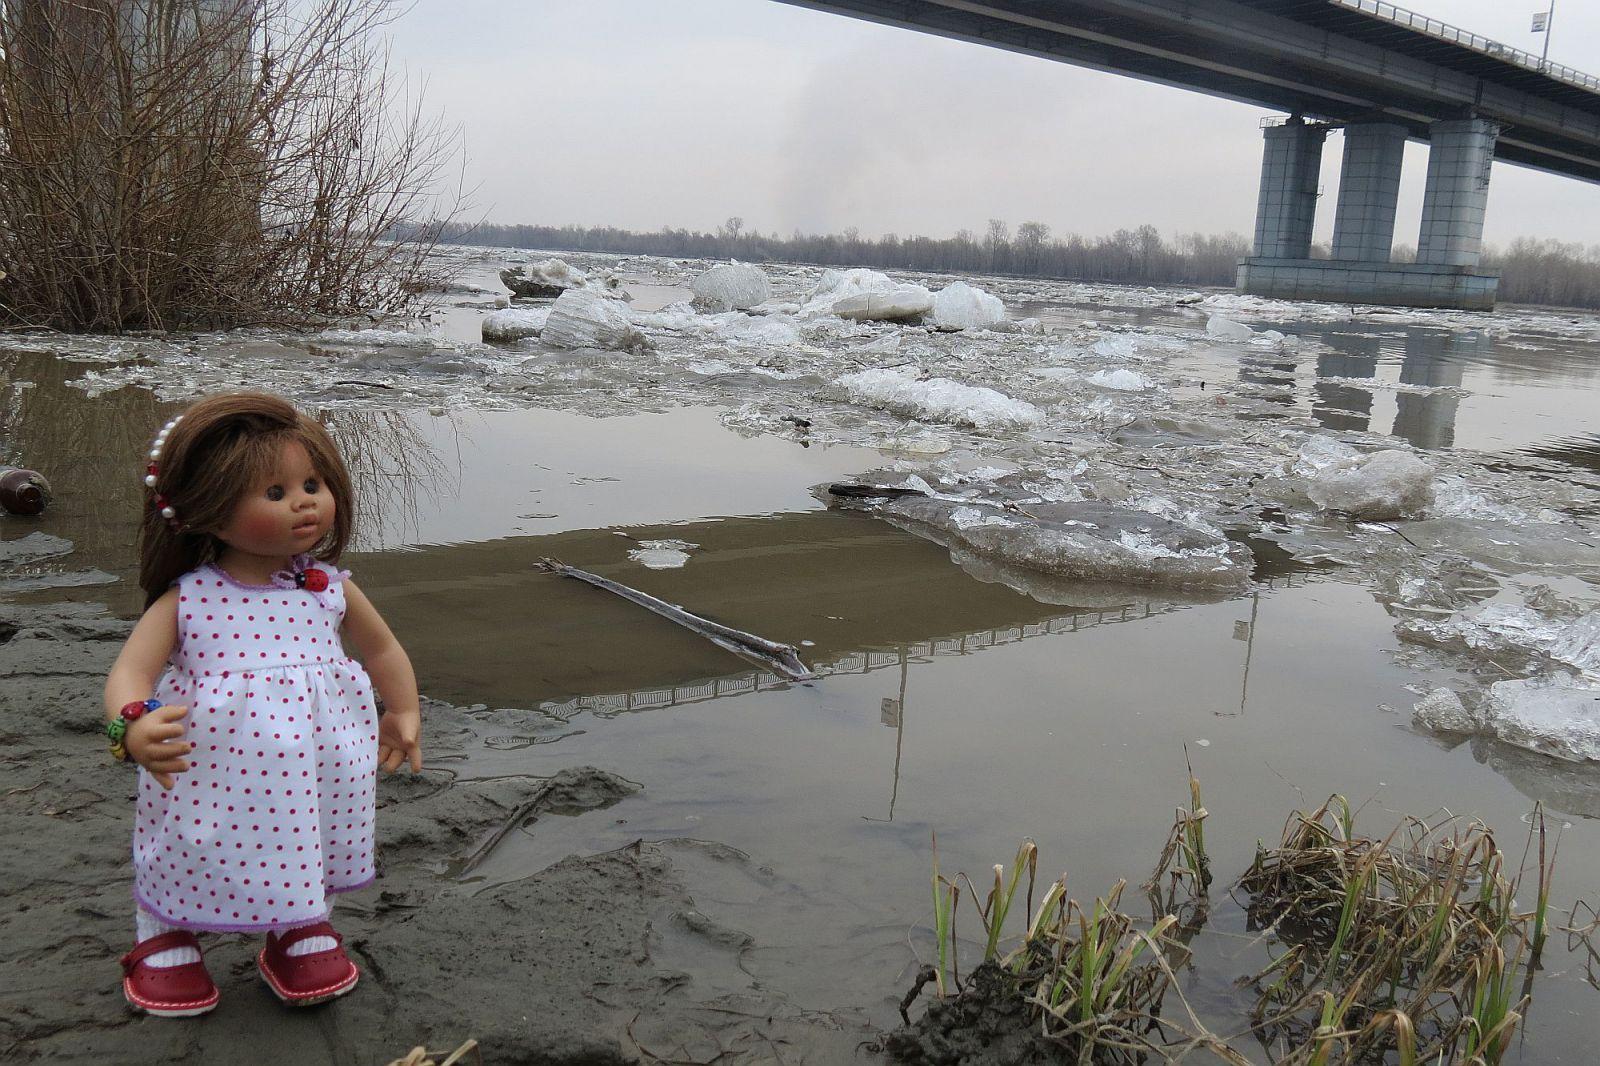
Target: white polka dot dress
<point>275,812</point>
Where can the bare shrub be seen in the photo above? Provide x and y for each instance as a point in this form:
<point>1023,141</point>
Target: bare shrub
<point>208,163</point>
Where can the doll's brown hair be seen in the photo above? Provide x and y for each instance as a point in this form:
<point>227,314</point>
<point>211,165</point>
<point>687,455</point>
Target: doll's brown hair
<point>221,449</point>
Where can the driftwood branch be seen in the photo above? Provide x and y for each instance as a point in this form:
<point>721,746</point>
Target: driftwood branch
<point>781,659</point>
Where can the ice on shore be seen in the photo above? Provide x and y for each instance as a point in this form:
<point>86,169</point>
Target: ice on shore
<point>867,295</point>
<point>514,323</point>
<point>546,278</point>
<point>585,318</point>
<point>1384,485</point>
<point>1079,540</point>
<point>1557,716</point>
<point>902,392</point>
<point>960,306</point>
<point>731,286</point>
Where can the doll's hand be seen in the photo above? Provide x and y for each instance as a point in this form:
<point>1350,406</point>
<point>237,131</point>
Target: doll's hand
<point>155,741</point>
<point>400,740</point>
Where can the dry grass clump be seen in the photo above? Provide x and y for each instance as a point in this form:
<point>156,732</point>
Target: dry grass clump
<point>1411,944</point>
<point>172,164</point>
<point>1095,977</point>
<point>1409,949</point>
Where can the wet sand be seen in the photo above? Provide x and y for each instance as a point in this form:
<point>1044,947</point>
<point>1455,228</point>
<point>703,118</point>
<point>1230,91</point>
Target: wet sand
<point>592,960</point>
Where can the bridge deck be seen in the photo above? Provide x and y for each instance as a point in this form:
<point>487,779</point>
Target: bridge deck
<point>1327,59</point>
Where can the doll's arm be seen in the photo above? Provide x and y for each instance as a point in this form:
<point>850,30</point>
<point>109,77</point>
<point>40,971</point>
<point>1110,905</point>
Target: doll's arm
<point>138,668</point>
<point>155,741</point>
<point>400,728</point>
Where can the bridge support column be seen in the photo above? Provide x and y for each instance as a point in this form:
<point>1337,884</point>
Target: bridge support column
<point>1369,191</point>
<point>1287,205</point>
<point>1457,192</point>
<point>1446,272</point>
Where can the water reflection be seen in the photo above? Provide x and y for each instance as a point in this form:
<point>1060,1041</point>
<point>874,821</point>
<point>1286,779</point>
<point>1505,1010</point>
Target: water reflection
<point>1428,420</point>
<point>1435,363</point>
<point>92,451</point>
<point>1346,407</point>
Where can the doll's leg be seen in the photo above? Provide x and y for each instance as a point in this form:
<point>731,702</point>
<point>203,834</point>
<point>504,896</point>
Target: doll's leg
<point>312,944</point>
<point>147,925</point>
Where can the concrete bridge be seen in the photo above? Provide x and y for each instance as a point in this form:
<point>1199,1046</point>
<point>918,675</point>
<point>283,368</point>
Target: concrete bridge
<point>1384,74</point>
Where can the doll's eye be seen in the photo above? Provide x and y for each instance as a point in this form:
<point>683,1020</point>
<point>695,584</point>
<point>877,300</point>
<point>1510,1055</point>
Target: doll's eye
<point>275,493</point>
<point>311,486</point>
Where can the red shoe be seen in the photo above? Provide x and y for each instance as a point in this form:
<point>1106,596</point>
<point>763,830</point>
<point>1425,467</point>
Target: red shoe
<point>305,980</point>
<point>167,991</point>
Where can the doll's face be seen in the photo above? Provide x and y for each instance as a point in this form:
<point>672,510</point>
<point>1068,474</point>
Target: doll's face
<point>286,513</point>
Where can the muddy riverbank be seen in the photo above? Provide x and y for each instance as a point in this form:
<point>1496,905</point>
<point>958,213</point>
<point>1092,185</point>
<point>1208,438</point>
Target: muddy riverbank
<point>598,958</point>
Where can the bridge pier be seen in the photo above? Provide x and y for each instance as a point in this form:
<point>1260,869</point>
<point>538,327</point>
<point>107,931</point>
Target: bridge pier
<point>1446,272</point>
<point>1369,192</point>
<point>1286,207</point>
<point>1457,193</point>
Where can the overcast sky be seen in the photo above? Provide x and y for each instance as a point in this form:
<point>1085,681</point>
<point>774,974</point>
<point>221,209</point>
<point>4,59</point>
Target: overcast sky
<point>650,113</point>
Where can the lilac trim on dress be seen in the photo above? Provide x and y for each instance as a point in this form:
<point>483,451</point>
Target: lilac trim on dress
<point>268,927</point>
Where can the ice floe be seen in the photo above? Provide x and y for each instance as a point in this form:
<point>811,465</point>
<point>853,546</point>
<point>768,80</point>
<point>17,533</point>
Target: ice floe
<point>585,318</point>
<point>1508,629</point>
<point>960,306</point>
<point>864,295</point>
<point>1121,380</point>
<point>545,278</point>
<point>662,554</point>
<point>1557,716</point>
<point>1384,485</point>
<point>1083,540</point>
<point>731,287</point>
<point>903,392</point>
<point>514,323</point>
<point>1442,711</point>
<point>1227,329</point>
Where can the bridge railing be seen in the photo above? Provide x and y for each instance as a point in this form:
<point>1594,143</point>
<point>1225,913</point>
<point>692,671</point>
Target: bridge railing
<point>1434,28</point>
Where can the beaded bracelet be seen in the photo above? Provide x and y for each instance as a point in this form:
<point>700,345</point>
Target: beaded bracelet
<point>117,728</point>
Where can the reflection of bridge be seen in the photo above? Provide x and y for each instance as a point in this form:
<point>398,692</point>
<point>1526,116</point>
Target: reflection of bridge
<point>1382,73</point>
<point>866,662</point>
<point>856,662</point>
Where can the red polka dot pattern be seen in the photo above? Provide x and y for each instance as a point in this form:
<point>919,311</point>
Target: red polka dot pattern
<point>276,809</point>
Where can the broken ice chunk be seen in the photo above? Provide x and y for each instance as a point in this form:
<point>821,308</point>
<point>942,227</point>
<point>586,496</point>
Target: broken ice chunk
<point>1441,711</point>
<point>662,554</point>
<point>960,306</point>
<point>731,287</point>
<point>584,318</point>
<point>1385,485</point>
<point>1227,329</point>
<point>550,277</point>
<point>514,323</point>
<point>1558,716</point>
<point>1497,628</point>
<point>937,399</point>
<point>1319,452</point>
<point>1121,380</point>
<point>376,338</point>
<point>867,295</point>
<point>1084,541</point>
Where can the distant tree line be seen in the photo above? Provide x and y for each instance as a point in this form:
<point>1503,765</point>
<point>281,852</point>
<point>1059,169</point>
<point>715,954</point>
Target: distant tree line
<point>1534,271</point>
